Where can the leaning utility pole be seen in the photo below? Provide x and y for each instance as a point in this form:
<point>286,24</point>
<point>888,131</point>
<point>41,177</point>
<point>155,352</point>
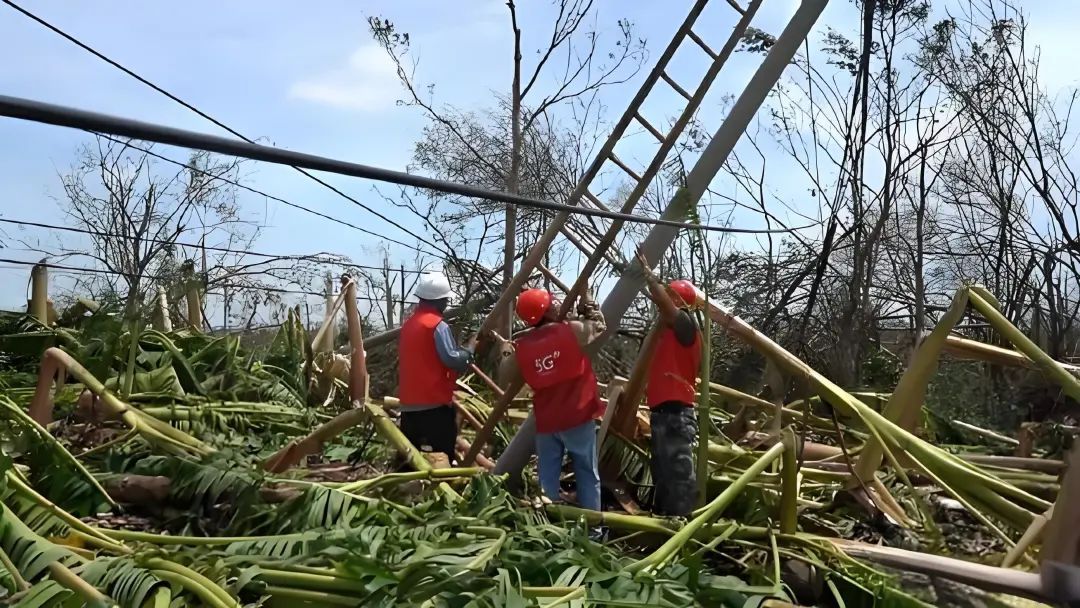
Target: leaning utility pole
<point>660,238</point>
<point>606,154</point>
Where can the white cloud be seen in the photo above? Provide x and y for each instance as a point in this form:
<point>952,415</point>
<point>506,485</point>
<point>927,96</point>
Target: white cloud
<point>368,82</point>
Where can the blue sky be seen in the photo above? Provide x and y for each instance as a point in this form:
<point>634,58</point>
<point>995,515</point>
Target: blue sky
<point>307,77</point>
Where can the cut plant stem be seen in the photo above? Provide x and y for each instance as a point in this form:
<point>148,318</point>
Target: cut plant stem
<point>620,521</point>
<point>986,433</point>
<point>206,595</point>
<point>981,300</point>
<point>165,565</point>
<point>704,419</point>
<point>20,582</point>
<point>711,512</point>
<point>1053,467</point>
<point>990,578</point>
<point>305,597</point>
<point>359,383</point>
<point>905,404</point>
<point>789,484</point>
<point>77,525</point>
<point>310,581</point>
<point>1030,537</point>
<point>91,596</point>
<point>159,434</point>
<point>365,485</point>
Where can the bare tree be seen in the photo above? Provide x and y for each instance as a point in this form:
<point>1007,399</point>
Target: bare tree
<point>1015,195</point>
<point>519,145</point>
<point>154,228</point>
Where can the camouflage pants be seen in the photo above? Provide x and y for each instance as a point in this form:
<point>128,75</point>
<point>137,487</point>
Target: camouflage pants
<point>674,430</point>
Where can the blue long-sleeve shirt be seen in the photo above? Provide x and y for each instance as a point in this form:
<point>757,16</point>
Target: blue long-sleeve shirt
<point>451,355</point>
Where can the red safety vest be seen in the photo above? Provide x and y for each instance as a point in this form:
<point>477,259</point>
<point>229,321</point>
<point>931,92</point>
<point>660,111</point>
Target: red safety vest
<point>422,377</point>
<point>673,375</point>
<point>564,385</point>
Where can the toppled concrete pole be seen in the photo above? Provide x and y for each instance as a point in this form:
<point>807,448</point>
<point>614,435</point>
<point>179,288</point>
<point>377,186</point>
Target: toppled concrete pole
<point>712,159</point>
<point>660,238</point>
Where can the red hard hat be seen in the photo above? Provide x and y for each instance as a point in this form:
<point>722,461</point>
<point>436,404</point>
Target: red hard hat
<point>532,304</point>
<point>685,290</point>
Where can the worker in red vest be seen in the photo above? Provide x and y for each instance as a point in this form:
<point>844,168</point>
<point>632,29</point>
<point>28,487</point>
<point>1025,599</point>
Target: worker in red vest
<point>670,395</point>
<point>552,361</point>
<point>429,363</point>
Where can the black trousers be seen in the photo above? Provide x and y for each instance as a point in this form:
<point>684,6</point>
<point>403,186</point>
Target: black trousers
<point>671,460</point>
<point>433,430</point>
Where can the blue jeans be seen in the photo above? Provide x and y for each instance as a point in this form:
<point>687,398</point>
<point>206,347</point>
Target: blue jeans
<point>580,442</point>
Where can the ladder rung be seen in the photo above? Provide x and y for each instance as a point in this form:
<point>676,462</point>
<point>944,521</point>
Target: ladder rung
<point>651,129</point>
<point>578,241</point>
<point>589,245</point>
<point>702,44</point>
<point>735,5</point>
<point>596,201</point>
<point>675,85</point>
<point>596,204</point>
<point>622,165</point>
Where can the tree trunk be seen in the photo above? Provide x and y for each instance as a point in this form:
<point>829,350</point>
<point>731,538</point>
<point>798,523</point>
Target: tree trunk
<point>513,177</point>
<point>131,312</point>
<point>389,294</point>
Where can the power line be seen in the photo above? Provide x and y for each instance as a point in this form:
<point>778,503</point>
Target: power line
<point>64,116</point>
<point>84,270</point>
<point>196,110</point>
<point>237,184</point>
<point>298,257</point>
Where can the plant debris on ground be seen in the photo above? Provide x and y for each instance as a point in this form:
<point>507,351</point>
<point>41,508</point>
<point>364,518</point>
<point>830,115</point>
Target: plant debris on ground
<point>169,497</point>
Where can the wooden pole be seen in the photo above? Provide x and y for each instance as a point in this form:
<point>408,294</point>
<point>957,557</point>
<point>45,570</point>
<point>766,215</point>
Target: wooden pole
<point>1061,538</point>
<point>624,420</point>
<point>389,293</point>
<point>401,304</point>
<point>497,412</point>
<point>615,391</point>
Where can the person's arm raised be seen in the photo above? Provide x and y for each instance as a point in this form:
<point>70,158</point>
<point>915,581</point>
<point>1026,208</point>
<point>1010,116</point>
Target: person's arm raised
<point>669,312</point>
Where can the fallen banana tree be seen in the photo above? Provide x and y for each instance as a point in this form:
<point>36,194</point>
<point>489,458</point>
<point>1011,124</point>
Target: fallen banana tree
<point>307,508</point>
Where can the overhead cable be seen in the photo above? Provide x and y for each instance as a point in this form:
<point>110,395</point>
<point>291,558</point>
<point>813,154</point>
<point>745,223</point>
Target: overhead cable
<point>147,82</point>
<point>36,111</point>
<point>314,258</point>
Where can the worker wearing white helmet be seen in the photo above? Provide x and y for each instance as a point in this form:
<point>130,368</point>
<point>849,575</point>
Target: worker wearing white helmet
<point>430,361</point>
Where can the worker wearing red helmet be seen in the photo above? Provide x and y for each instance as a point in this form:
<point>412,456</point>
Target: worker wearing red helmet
<point>670,395</point>
<point>566,403</point>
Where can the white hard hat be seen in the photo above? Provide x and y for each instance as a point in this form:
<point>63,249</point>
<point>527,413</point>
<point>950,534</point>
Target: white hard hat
<point>433,286</point>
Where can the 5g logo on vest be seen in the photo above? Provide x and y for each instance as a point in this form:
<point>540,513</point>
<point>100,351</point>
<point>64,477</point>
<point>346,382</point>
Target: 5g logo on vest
<point>546,363</point>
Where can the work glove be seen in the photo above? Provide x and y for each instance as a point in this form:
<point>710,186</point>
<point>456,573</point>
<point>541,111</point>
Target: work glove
<point>586,307</point>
